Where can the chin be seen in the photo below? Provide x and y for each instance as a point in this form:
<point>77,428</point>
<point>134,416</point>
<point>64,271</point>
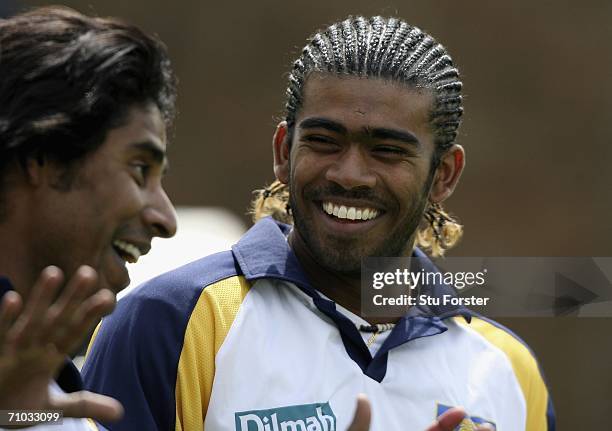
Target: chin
<point>341,262</point>
<point>346,269</point>
<point>114,284</point>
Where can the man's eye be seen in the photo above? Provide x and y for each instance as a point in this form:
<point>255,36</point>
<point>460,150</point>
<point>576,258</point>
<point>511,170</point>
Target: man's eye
<point>318,138</point>
<point>142,171</point>
<point>386,149</point>
<point>321,143</point>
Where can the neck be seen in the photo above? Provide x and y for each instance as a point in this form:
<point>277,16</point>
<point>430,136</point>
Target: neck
<point>17,257</point>
<point>343,289</point>
<point>15,261</point>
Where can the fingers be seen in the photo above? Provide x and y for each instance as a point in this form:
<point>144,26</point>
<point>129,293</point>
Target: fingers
<point>43,292</point>
<point>363,415</point>
<point>9,310</point>
<point>77,289</point>
<point>27,328</point>
<point>85,318</point>
<point>69,319</point>
<point>78,309</point>
<point>448,421</point>
<point>64,324</point>
<point>86,404</point>
<point>35,337</point>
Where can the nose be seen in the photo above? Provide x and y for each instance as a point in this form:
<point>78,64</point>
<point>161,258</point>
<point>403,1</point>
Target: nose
<point>160,215</point>
<point>351,169</point>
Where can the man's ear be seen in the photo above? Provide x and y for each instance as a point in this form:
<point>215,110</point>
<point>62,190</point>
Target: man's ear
<point>448,173</point>
<point>280,147</point>
<point>40,170</point>
<point>36,169</point>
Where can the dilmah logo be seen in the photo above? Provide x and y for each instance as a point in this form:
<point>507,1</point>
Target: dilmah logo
<point>305,417</point>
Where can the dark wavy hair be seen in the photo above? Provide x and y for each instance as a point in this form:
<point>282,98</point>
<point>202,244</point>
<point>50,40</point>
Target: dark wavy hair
<point>66,79</point>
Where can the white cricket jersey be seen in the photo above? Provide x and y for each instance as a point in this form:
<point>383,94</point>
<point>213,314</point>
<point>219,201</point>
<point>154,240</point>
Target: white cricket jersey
<point>240,341</point>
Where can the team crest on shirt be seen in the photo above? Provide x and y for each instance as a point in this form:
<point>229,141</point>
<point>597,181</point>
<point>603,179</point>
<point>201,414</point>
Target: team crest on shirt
<point>305,417</point>
<point>469,423</point>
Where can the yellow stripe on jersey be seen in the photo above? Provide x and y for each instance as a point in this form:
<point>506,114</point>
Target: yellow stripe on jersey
<point>214,313</point>
<point>93,337</point>
<point>525,368</point>
<point>92,425</point>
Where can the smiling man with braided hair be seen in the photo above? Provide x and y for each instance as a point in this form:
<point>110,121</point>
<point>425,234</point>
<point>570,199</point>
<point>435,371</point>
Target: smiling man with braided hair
<point>270,336</point>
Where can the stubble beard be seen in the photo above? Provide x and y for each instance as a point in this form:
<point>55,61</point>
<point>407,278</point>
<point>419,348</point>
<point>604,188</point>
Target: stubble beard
<point>343,256</point>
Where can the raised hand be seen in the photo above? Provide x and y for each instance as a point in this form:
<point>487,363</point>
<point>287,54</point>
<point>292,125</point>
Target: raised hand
<point>36,336</point>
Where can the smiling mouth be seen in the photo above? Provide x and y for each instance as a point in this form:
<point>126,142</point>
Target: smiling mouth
<point>359,214</point>
<point>127,251</point>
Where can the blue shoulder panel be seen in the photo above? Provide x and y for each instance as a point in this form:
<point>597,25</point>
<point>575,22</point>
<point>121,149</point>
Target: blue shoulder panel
<point>134,357</point>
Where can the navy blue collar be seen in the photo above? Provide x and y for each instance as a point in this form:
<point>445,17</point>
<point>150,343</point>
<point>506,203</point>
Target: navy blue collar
<point>263,252</point>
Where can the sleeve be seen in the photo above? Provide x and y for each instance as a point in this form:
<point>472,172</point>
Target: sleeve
<point>540,411</point>
<point>156,353</point>
<point>133,358</point>
<point>212,319</point>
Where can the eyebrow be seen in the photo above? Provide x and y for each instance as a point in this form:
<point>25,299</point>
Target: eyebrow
<point>372,132</point>
<point>154,151</point>
<point>322,123</point>
<point>393,134</point>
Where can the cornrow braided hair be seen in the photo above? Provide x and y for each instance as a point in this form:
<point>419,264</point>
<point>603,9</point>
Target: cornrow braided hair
<point>387,48</point>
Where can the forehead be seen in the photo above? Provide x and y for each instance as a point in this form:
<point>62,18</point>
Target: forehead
<point>142,124</point>
<point>142,133</point>
<point>356,100</point>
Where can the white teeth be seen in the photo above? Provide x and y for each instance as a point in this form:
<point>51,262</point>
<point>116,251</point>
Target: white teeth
<point>129,249</point>
<point>351,213</point>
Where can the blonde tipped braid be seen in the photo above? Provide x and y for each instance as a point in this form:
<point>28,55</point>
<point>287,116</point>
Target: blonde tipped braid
<point>439,231</point>
<point>272,201</point>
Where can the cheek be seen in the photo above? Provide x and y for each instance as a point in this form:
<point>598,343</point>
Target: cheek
<point>405,185</point>
<point>306,169</point>
<point>115,206</point>
<point>130,202</point>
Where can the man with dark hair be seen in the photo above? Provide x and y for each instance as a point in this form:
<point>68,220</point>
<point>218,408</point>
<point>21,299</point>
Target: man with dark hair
<point>271,336</point>
<point>84,107</point>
